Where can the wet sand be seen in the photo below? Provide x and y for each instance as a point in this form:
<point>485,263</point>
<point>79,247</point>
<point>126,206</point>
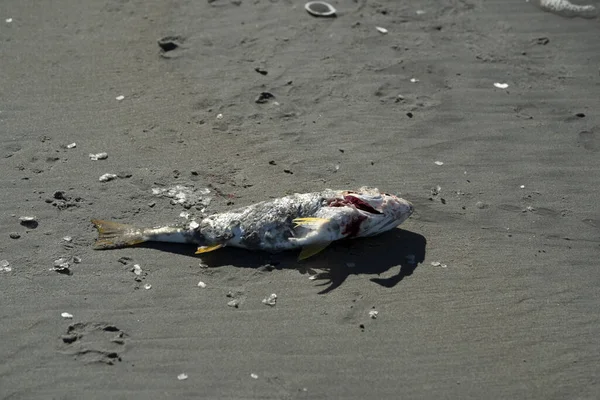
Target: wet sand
<point>490,290</point>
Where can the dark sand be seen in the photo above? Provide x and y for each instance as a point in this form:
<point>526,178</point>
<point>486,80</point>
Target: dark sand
<point>517,221</point>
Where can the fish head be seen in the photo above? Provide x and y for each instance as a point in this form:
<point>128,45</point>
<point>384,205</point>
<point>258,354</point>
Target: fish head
<point>375,212</point>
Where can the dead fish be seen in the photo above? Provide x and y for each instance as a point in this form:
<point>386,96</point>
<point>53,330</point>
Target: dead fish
<point>310,221</point>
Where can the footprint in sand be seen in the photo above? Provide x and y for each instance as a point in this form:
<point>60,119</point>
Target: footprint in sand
<point>94,342</point>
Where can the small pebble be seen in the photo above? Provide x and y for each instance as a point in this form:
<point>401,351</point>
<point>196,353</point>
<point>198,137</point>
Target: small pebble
<point>71,145</point>
<point>77,260</point>
<point>107,177</point>
<point>4,266</point>
<point>14,235</point>
<point>182,377</point>
<point>8,20</point>
<point>439,163</point>
<point>414,80</point>
<point>373,314</point>
<point>481,205</point>
<point>201,284</point>
<point>28,221</point>
<point>501,85</point>
<point>98,156</point>
<point>253,376</point>
<point>219,116</point>
<point>68,239</point>
<point>137,269</point>
<point>381,30</point>
<point>119,98</point>
<point>66,315</point>
<point>234,303</point>
<point>147,286</point>
<point>271,300</point>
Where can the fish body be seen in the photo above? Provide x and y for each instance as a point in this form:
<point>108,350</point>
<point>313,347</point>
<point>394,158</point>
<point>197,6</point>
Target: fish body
<point>303,220</point>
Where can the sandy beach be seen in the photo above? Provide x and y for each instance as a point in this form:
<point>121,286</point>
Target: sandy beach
<point>484,114</point>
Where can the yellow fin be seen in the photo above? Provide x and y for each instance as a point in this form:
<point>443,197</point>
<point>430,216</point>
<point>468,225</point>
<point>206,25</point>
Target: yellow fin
<point>206,249</point>
<point>311,222</point>
<point>312,249</point>
<point>112,235</point>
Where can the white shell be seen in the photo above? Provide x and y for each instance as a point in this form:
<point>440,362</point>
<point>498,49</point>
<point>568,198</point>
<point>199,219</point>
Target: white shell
<point>330,12</point>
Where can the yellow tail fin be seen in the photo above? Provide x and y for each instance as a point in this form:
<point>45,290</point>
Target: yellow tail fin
<point>112,235</point>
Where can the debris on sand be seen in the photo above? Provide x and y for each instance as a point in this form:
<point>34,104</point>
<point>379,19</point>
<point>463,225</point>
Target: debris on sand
<point>320,9</point>
<point>501,85</point>
<point>62,266</point>
<point>264,97</point>
<point>185,195</point>
<point>137,269</point>
<point>234,303</point>
<point>201,284</point>
<point>71,145</point>
<point>373,314</point>
<point>28,222</point>
<point>107,177</point>
<point>66,315</point>
<point>182,377</point>
<point>271,300</point>
<point>170,43</point>
<point>381,30</point>
<point>438,264</point>
<point>5,266</point>
<point>98,156</point>
<point>253,376</point>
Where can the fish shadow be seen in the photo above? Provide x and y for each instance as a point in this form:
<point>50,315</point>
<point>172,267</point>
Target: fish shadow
<point>361,256</point>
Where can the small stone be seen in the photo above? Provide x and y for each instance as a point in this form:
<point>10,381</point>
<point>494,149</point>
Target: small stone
<point>373,314</point>
<point>28,221</point>
<point>71,145</point>
<point>137,269</point>
<point>253,376</point>
<point>381,30</point>
<point>219,116</point>
<point>261,71</point>
<point>201,284</point>
<point>271,300</point>
<point>8,20</point>
<point>4,263</point>
<point>501,85</point>
<point>14,235</point>
<point>169,43</point>
<point>98,156</point>
<point>147,286</point>
<point>414,80</point>
<point>439,163</point>
<point>66,315</point>
<point>119,98</point>
<point>77,260</point>
<point>481,205</point>
<point>107,177</point>
<point>264,97</point>
<point>182,377</point>
<point>436,263</point>
<point>234,303</point>
<point>68,239</point>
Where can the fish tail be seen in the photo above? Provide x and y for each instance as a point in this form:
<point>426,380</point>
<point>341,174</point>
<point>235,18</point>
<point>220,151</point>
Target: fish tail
<point>113,235</point>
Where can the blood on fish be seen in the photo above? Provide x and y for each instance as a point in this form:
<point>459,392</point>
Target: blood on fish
<point>353,227</point>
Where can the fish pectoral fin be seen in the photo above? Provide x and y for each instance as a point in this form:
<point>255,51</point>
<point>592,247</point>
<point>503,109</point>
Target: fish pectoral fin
<point>207,249</point>
<point>311,222</point>
<point>312,249</point>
